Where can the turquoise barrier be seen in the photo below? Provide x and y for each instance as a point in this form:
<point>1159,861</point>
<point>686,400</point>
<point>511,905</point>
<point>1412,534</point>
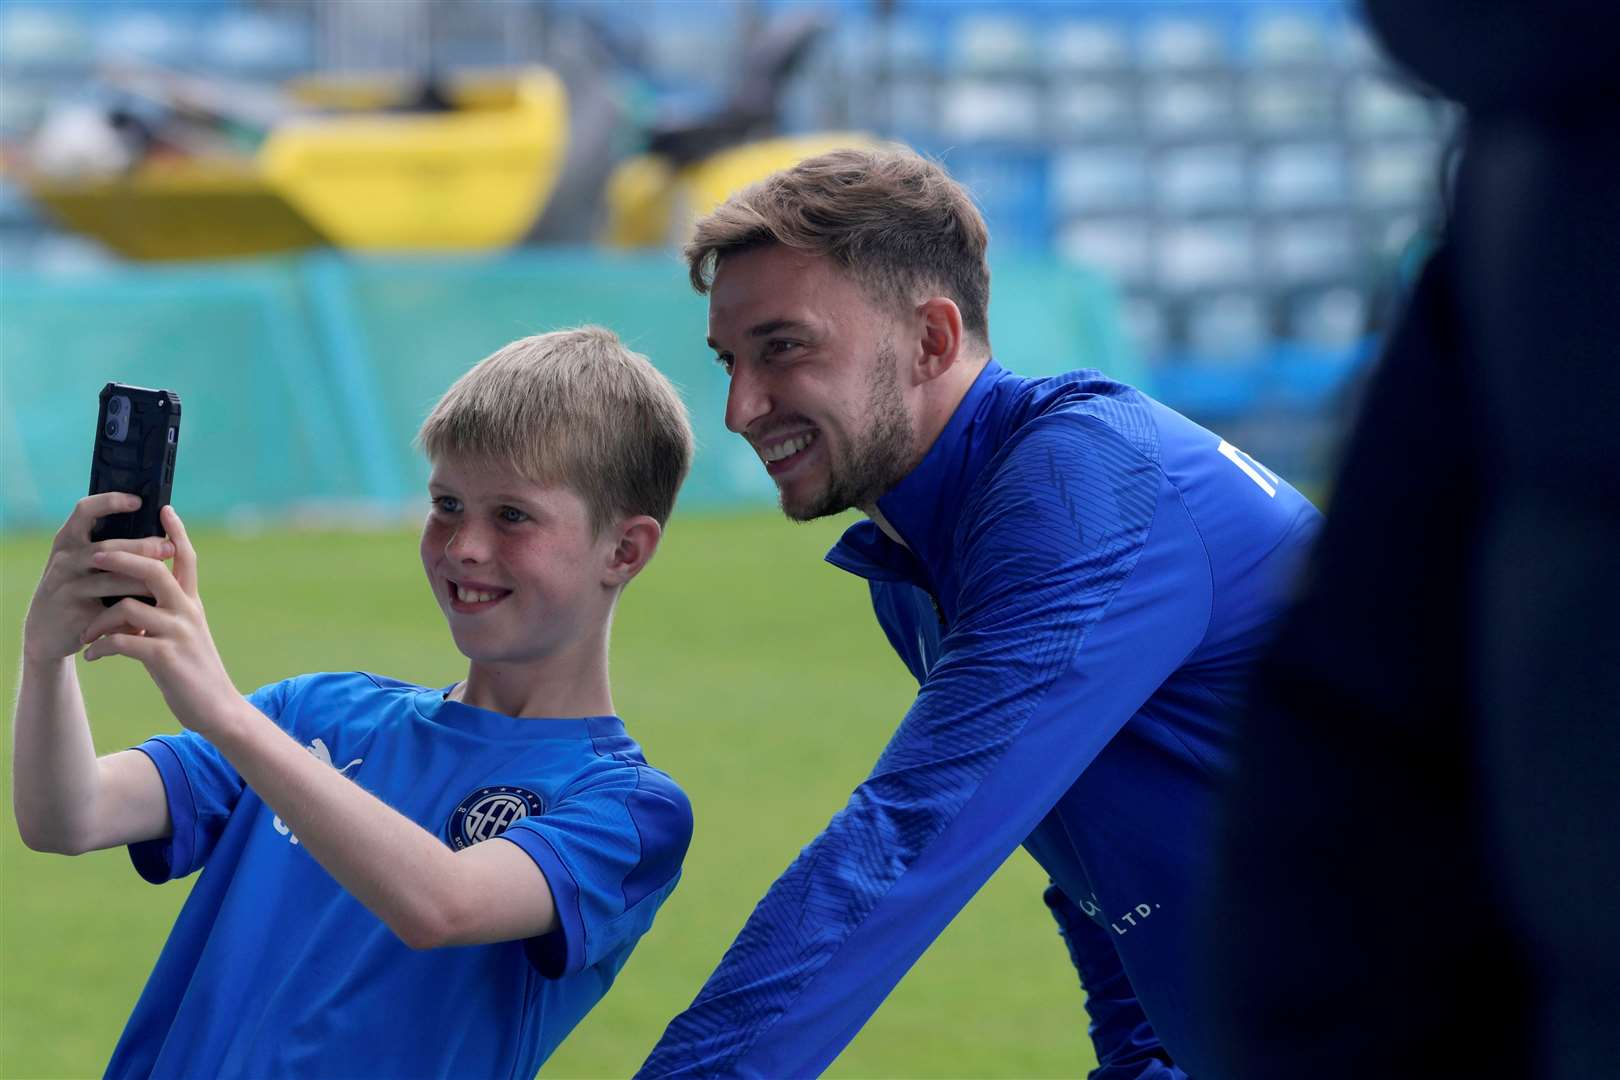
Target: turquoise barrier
<point>302,381</point>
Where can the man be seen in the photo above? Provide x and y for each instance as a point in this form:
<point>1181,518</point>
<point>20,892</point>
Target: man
<point>1077,576</point>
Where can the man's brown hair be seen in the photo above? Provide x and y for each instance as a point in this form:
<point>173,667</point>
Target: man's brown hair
<point>895,220</point>
<point>576,408</point>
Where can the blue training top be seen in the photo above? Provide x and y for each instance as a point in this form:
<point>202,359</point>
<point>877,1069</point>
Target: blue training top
<point>1086,579</point>
<point>273,969</point>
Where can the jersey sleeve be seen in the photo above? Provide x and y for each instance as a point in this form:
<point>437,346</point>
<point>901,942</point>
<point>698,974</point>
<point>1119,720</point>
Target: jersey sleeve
<point>611,852</point>
<point>202,789</point>
<point>1083,586</point>
<point>1127,1048</point>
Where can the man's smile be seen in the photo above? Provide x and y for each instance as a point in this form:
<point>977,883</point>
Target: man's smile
<point>780,454</point>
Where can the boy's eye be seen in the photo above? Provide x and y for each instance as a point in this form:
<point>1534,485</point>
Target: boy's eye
<point>447,504</point>
<point>512,515</point>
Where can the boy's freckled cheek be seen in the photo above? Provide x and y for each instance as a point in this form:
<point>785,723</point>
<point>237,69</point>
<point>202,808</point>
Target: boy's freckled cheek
<point>434,538</point>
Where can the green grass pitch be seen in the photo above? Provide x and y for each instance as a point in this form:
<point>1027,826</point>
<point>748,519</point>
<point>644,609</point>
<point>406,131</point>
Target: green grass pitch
<point>747,668</point>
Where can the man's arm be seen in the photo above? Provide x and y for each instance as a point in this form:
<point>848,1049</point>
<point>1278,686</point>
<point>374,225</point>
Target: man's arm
<point>427,894</point>
<point>1084,586</point>
<point>66,800</point>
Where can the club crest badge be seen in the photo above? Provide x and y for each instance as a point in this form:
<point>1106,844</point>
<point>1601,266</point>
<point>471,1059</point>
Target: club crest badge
<point>489,812</point>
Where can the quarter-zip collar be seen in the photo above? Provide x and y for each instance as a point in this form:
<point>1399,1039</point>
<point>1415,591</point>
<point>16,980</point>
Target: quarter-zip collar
<point>926,504</point>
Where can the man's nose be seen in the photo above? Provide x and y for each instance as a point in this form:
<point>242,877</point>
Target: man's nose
<point>746,400</point>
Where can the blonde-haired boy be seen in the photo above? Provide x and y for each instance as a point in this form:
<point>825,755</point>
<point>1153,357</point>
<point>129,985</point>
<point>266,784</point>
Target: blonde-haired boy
<point>339,818</point>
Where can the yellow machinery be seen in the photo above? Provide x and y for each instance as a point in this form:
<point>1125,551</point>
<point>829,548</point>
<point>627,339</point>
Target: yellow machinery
<point>470,178</point>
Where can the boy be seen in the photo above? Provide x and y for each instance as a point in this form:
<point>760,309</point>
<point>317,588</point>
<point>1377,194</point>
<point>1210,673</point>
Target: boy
<point>317,941</point>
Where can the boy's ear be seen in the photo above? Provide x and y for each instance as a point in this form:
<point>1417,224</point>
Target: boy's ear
<point>637,540</point>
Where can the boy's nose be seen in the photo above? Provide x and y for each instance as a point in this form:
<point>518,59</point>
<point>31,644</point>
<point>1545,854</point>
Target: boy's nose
<point>465,545</point>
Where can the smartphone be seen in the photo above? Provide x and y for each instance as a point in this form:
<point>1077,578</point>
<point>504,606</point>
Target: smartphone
<point>137,434</point>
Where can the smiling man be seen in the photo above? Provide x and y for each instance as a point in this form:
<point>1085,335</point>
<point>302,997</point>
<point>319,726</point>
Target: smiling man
<point>1077,576</point>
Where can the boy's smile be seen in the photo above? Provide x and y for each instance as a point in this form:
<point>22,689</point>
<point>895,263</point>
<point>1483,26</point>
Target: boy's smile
<point>470,597</point>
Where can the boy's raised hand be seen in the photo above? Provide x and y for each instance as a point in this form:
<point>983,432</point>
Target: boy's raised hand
<point>171,639</point>
<point>68,598</point>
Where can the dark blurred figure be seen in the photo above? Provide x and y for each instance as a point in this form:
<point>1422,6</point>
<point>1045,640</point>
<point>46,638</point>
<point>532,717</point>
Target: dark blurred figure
<point>1422,877</point>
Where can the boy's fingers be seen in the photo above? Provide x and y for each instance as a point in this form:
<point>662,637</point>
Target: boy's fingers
<point>131,645</point>
<point>104,584</point>
<point>185,556</point>
<point>124,617</point>
<point>152,547</point>
<point>151,573</point>
<point>88,509</point>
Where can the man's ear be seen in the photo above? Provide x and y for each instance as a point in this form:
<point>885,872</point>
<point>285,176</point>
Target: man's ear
<point>637,539</point>
<point>941,345</point>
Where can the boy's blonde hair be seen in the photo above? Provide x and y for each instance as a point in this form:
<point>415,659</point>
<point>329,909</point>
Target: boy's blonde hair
<point>572,407</point>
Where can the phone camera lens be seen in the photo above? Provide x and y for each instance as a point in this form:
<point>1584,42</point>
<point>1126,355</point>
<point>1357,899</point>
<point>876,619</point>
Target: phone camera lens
<point>115,405</point>
<point>112,428</point>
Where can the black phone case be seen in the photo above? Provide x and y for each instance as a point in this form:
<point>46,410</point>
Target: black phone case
<point>141,462</point>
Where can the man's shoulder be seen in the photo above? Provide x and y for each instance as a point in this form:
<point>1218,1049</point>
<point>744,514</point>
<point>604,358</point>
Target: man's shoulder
<point>1083,406</point>
<point>1067,426</point>
<point>1077,469</point>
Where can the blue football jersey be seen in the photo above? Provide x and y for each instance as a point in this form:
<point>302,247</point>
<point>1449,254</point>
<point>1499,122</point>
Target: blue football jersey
<point>1085,581</point>
<point>273,969</point>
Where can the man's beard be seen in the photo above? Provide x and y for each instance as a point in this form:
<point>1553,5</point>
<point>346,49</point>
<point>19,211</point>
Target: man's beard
<point>880,456</point>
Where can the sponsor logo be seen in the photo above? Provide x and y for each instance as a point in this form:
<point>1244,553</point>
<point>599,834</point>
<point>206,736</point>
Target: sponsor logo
<point>1133,919</point>
<point>489,812</point>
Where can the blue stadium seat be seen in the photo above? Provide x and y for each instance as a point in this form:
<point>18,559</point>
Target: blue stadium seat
<point>1194,179</point>
<point>1182,108</point>
<point>147,35</point>
<point>251,43</point>
<point>994,43</point>
<point>1088,109</point>
<point>1104,178</point>
<point>1208,254</point>
<point>1301,176</point>
<point>1181,43</point>
<point>1088,46</point>
<point>1119,246</point>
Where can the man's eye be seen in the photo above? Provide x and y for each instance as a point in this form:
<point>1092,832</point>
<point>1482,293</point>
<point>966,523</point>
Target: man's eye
<point>512,515</point>
<point>777,347</point>
<point>724,360</point>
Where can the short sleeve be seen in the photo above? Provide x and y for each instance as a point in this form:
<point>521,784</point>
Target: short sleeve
<point>611,852</point>
<point>202,790</point>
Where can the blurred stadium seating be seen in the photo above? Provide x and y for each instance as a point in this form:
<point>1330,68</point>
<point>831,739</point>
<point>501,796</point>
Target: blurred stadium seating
<point>1248,176</point>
